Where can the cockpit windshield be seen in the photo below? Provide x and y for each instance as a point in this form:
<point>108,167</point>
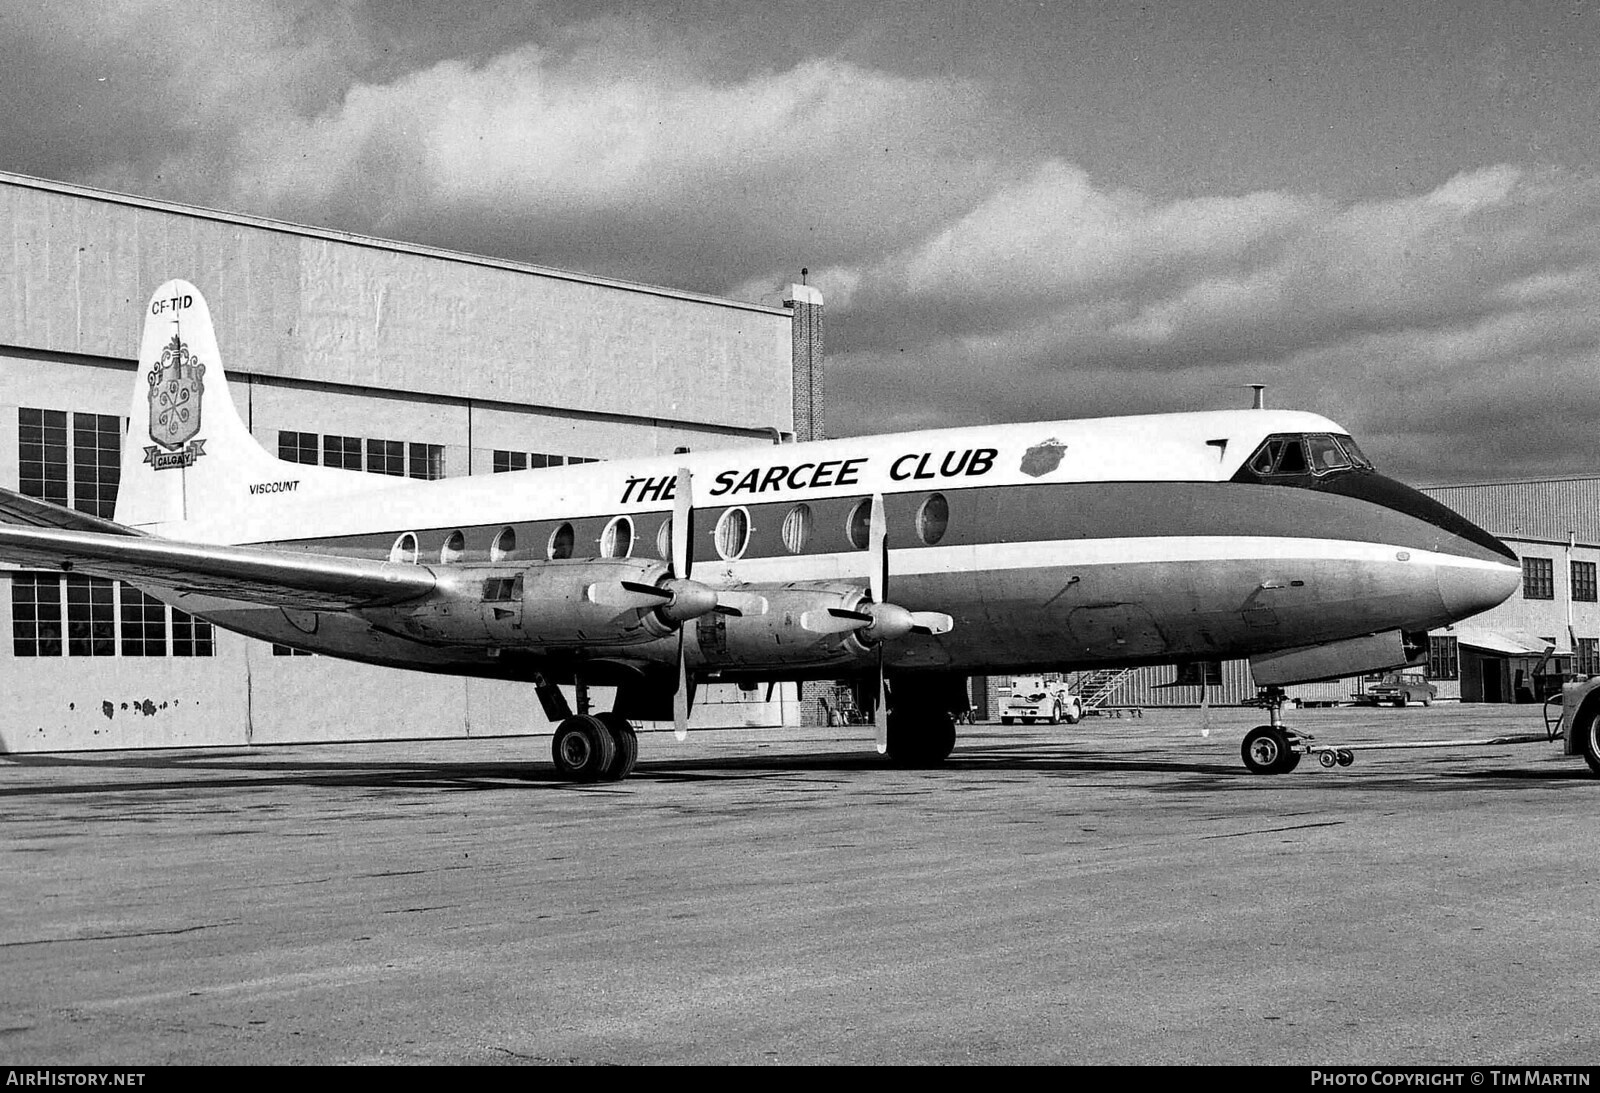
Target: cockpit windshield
<point>1292,455</point>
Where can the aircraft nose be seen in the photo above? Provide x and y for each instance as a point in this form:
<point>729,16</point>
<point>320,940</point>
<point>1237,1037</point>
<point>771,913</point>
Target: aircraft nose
<point>1467,590</point>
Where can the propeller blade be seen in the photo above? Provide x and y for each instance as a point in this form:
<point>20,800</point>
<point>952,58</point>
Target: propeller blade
<point>880,716</point>
<point>680,697</point>
<point>878,552</point>
<point>931,622</point>
<point>626,594</point>
<point>682,523</point>
<point>835,620</point>
<point>740,603</point>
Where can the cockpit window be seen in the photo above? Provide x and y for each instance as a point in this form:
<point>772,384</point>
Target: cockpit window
<point>1279,455</point>
<point>1357,456</point>
<point>1325,454</point>
<point>1309,453</point>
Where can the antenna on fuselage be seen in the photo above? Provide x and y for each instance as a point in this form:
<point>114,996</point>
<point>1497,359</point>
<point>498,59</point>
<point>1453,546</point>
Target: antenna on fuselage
<point>1259,402</point>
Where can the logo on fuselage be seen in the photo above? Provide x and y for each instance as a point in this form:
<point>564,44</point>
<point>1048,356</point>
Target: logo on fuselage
<point>1043,457</point>
<point>177,385</point>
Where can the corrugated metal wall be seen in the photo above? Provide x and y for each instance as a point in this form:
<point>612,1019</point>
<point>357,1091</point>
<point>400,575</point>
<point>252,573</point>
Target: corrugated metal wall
<point>1550,509</point>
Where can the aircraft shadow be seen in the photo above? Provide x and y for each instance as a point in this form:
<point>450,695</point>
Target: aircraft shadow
<point>207,772</point>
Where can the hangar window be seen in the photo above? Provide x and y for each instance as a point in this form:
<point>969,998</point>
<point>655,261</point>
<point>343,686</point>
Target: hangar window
<point>343,452</point>
<point>616,541</point>
<point>297,447</point>
<point>1538,579</point>
<point>386,457</point>
<point>1587,660</point>
<point>561,540</point>
<point>797,528</point>
<point>425,461</point>
<point>42,454</point>
<point>523,461</point>
<point>1444,658</point>
<point>92,617</point>
<point>933,519</point>
<point>144,624</point>
<point>733,533</point>
<point>1584,589</point>
<point>505,545</point>
<point>35,615</point>
<point>859,526</point>
<point>404,549</point>
<point>43,467</point>
<point>191,637</point>
<point>88,627</point>
<point>96,462</point>
<point>454,549</point>
<point>664,540</point>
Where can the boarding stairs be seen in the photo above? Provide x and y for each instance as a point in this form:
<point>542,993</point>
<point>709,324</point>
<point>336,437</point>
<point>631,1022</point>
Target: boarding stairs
<point>1096,689</point>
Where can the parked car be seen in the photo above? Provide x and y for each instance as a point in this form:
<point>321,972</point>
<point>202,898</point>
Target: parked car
<point>1032,698</point>
<point>1398,689</point>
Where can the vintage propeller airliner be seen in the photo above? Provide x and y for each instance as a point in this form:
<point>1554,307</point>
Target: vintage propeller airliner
<point>914,560</point>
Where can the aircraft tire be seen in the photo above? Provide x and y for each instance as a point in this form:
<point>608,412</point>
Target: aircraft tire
<point>583,749</point>
<point>1265,750</point>
<point>926,742</point>
<point>1589,738</point>
<point>627,746</point>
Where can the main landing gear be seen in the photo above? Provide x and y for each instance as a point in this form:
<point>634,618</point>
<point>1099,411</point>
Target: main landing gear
<point>1272,749</point>
<point>601,748</point>
<point>922,720</point>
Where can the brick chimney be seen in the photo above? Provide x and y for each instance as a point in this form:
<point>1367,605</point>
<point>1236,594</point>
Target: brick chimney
<point>809,406</point>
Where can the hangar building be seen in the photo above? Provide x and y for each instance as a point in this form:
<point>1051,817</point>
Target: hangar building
<point>349,351</point>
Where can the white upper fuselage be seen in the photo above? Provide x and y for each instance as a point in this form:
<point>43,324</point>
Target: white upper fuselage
<point>302,502</point>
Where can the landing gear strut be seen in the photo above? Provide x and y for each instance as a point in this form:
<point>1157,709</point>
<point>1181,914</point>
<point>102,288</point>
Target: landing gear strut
<point>1271,749</point>
<point>601,748</point>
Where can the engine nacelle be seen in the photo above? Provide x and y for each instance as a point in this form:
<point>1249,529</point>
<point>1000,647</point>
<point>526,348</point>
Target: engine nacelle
<point>777,640</point>
<point>543,604</point>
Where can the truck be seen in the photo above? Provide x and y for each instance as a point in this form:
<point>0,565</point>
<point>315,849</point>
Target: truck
<point>1037,698</point>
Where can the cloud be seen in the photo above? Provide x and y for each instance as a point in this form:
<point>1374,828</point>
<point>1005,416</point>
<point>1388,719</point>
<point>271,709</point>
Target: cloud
<point>969,275</point>
<point>1445,325</point>
<point>613,148</point>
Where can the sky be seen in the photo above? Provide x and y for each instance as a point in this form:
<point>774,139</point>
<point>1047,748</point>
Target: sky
<point>1387,212</point>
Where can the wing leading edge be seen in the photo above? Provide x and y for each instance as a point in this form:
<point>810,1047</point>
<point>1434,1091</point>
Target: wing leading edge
<point>260,575</point>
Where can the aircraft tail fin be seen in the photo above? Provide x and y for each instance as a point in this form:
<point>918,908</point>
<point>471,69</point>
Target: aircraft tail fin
<point>188,455</point>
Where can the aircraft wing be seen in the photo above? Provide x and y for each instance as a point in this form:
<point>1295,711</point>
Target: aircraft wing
<point>278,578</point>
<point>18,508</point>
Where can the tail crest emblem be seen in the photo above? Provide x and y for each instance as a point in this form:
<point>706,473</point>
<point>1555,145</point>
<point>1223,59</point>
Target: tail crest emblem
<point>177,383</point>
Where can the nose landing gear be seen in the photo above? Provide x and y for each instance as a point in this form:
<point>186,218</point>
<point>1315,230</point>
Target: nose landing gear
<point>1272,749</point>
